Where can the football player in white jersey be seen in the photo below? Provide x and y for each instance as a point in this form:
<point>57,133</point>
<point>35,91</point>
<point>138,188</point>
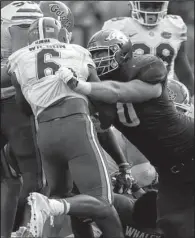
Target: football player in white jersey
<point>65,132</point>
<point>153,31</point>
<point>16,129</point>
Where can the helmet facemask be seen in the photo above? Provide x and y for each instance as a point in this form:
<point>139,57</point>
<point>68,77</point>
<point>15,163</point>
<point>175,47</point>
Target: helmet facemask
<point>148,13</point>
<point>180,97</point>
<point>104,58</point>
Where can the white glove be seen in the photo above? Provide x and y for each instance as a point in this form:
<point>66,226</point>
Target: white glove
<point>64,74</point>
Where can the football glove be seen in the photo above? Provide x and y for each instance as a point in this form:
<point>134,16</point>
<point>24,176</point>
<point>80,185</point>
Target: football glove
<point>68,76</point>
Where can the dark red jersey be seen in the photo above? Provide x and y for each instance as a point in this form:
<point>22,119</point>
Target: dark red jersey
<point>155,127</point>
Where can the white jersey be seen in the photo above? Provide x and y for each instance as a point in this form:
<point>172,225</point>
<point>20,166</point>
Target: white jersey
<point>163,41</point>
<point>13,36</point>
<point>35,67</point>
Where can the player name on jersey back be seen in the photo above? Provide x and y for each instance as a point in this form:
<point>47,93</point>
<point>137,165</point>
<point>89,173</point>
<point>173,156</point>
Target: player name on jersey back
<point>38,45</point>
<point>132,232</point>
<point>36,65</point>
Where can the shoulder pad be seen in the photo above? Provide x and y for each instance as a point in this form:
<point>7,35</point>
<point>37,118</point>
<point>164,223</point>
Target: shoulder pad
<point>151,69</point>
<point>117,18</point>
<point>177,21</point>
<point>79,48</point>
<point>85,52</point>
<point>179,24</point>
<point>114,22</point>
<point>142,60</point>
<point>13,59</point>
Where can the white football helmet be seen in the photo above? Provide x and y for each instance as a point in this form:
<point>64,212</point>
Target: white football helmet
<point>179,94</point>
<point>20,12</point>
<point>148,13</point>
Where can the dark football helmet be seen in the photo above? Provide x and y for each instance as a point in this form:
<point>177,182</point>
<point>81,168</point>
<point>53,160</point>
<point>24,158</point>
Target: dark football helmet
<point>45,27</point>
<point>109,49</point>
<point>179,94</point>
<point>148,13</point>
<point>59,11</point>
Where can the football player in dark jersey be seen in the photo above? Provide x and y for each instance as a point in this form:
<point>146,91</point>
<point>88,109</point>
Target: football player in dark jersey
<point>138,216</point>
<point>149,120</point>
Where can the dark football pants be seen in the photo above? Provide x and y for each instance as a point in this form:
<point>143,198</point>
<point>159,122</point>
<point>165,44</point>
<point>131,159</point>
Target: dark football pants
<point>16,128</point>
<point>175,204</point>
<point>70,145</point>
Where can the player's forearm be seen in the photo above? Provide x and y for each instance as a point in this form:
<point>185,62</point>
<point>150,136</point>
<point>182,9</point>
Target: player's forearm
<point>109,142</point>
<point>102,91</point>
<point>135,91</point>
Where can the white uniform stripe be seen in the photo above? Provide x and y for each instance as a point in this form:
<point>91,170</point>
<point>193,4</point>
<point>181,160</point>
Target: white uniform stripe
<point>102,161</point>
<point>41,35</point>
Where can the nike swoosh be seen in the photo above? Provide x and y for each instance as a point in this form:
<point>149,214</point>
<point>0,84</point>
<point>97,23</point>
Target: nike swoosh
<point>133,34</point>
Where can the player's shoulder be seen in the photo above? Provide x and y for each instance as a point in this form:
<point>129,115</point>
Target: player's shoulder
<point>176,22</point>
<point>149,68</point>
<point>147,59</point>
<point>119,23</point>
<point>18,53</point>
<point>116,19</point>
<point>79,49</point>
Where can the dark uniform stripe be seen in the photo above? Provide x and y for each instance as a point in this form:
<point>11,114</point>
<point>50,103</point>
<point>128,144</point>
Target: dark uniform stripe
<point>127,117</point>
<point>27,10</point>
<point>24,17</point>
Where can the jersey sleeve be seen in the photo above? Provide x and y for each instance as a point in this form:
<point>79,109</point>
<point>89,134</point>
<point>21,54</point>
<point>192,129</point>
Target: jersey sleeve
<point>153,70</point>
<point>13,61</point>
<point>89,60</point>
<point>179,25</point>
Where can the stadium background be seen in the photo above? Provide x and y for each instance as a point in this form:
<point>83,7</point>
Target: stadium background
<point>89,18</point>
<point>90,15</point>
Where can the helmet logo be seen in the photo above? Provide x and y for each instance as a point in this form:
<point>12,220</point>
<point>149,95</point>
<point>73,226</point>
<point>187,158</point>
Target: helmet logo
<point>61,15</point>
<point>118,36</point>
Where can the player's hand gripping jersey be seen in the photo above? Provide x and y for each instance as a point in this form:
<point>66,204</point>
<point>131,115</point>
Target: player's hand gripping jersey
<point>164,40</point>
<point>35,67</point>
<point>16,18</point>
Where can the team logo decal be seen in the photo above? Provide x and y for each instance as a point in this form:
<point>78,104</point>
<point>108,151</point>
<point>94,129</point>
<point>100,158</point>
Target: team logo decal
<point>118,36</point>
<point>166,35</point>
<point>62,16</point>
